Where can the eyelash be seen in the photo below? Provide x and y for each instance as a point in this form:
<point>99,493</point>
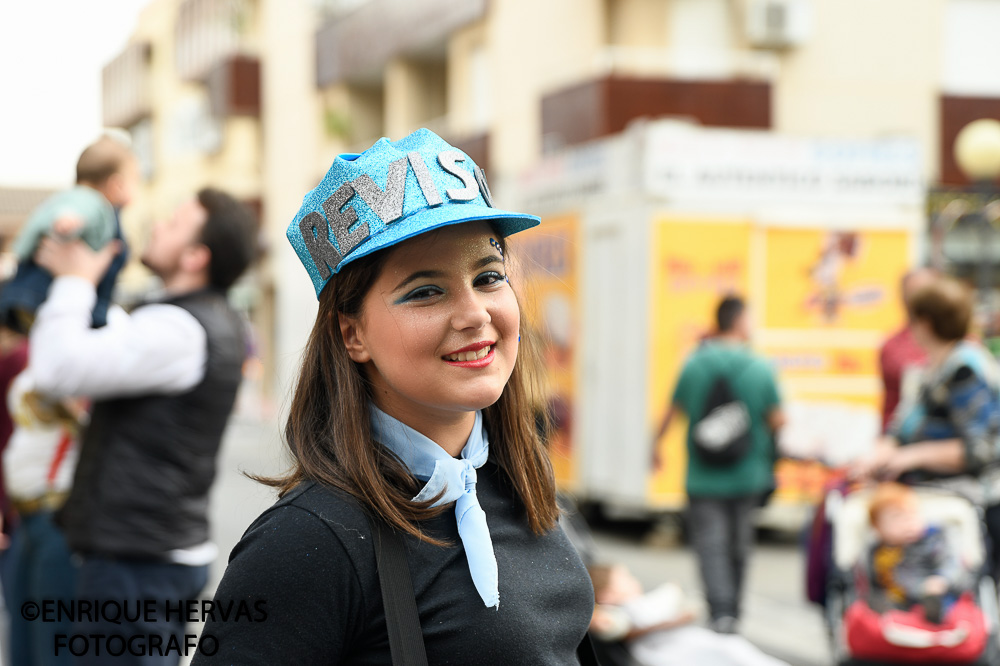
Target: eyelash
<point>427,291</point>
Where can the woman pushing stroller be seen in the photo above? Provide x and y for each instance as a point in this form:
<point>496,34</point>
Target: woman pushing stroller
<point>947,435</point>
<point>923,606</point>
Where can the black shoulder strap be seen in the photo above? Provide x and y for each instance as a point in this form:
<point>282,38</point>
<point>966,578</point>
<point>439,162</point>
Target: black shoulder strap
<point>585,652</point>
<point>406,640</point>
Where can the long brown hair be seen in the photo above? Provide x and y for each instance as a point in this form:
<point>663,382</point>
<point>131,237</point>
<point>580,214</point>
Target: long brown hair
<point>329,434</point>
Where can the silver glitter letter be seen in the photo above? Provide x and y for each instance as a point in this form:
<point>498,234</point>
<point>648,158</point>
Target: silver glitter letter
<point>484,189</point>
<point>388,205</point>
<point>340,222</point>
<point>449,160</point>
<point>315,233</point>
<point>424,178</point>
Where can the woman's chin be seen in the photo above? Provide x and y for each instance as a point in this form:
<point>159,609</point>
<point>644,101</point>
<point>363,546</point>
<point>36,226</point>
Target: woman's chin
<point>472,402</point>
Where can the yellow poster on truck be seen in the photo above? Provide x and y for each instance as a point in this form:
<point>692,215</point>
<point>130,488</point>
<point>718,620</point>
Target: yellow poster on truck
<point>815,232</point>
<point>694,261</point>
<point>822,303</point>
<point>829,303</point>
<point>546,279</point>
<point>842,280</point>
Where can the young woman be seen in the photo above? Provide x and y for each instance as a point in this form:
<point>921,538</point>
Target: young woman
<point>413,408</point>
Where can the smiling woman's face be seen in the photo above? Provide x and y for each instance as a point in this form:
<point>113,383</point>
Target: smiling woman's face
<point>438,330</point>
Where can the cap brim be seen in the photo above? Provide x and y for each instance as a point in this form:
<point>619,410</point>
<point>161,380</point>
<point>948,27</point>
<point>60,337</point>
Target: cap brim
<point>428,219</point>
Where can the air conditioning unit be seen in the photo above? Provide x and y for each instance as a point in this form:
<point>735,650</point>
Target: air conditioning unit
<point>778,24</point>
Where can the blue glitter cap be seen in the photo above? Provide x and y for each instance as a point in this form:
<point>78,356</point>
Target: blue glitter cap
<point>391,192</point>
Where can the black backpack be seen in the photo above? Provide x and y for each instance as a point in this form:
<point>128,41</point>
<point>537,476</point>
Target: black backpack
<point>721,436</point>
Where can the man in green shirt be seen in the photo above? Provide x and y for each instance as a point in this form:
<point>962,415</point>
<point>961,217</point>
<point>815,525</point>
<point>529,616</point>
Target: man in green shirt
<point>722,497</point>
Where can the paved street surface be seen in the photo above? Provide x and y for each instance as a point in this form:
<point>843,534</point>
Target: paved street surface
<point>777,618</point>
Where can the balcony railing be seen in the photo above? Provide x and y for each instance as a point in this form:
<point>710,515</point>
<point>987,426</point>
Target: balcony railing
<point>234,87</point>
<point>476,146</point>
<point>357,45</point>
<point>605,105</point>
<point>206,32</point>
<point>125,86</point>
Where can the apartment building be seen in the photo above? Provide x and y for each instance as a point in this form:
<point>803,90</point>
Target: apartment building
<point>258,96</point>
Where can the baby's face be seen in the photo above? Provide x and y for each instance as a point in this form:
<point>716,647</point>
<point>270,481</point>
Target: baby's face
<point>900,525</point>
<point>121,187</point>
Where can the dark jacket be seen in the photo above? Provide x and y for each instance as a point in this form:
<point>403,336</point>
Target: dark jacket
<point>309,563</point>
<point>147,463</point>
<point>899,572</point>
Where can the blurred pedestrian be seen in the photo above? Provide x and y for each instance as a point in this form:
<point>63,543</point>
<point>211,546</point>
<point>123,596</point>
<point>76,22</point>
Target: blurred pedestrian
<point>654,628</point>
<point>412,431</point>
<point>950,435</point>
<point>38,466</point>
<point>13,359</point>
<point>163,381</point>
<point>901,351</point>
<point>731,399</point>
<point>107,175</point>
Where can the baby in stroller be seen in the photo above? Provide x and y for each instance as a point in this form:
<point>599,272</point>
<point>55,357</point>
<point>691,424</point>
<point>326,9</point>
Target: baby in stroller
<point>907,585</point>
<point>910,564</point>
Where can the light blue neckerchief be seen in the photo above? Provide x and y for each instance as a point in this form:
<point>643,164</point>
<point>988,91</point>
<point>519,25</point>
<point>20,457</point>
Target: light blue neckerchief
<point>457,478</point>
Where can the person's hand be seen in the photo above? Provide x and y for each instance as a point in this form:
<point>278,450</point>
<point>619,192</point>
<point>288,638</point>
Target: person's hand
<point>935,585</point>
<point>602,622</point>
<point>67,227</point>
<point>656,460</point>
<point>871,465</point>
<point>901,461</point>
<point>75,258</point>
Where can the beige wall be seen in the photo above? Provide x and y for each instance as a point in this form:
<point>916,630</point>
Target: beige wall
<point>293,144</point>
<point>415,96</point>
<point>180,168</point>
<point>637,23</point>
<point>535,47</point>
<point>869,69</point>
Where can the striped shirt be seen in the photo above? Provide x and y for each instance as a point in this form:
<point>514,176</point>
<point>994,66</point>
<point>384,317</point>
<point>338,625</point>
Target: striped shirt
<point>960,399</point>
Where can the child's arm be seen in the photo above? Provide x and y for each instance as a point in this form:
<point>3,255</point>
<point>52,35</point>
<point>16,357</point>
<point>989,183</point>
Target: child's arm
<point>67,227</point>
<point>947,566</point>
<point>933,569</point>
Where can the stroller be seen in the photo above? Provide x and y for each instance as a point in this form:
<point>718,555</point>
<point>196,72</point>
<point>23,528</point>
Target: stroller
<point>969,632</point>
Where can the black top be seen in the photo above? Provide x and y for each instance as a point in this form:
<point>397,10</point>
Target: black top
<point>147,462</point>
<point>310,559</point>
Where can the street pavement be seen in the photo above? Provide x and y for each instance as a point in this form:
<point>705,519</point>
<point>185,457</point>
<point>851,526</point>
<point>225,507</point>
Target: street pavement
<point>776,616</point>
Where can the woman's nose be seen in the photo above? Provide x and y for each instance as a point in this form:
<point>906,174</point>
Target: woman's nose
<point>471,311</point>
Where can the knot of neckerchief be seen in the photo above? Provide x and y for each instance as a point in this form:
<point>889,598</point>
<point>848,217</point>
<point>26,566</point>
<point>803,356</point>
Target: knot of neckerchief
<point>456,477</point>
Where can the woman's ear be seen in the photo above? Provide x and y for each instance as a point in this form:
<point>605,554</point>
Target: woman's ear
<point>350,331</point>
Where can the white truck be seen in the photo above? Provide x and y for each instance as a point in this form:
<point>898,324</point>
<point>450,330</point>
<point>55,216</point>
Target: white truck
<point>643,232</point>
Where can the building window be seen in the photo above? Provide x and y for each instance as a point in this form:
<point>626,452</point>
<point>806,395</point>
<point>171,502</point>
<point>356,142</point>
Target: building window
<point>480,89</point>
<point>142,147</point>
